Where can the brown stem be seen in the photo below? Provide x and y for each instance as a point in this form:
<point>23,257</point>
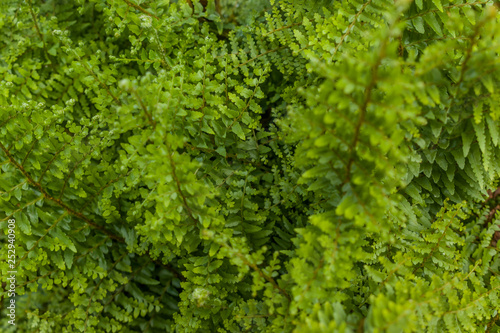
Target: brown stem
<point>131,4</point>
<point>30,7</point>
<point>57,201</point>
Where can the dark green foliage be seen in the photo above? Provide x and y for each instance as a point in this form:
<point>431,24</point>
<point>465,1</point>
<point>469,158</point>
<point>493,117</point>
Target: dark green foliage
<point>252,166</point>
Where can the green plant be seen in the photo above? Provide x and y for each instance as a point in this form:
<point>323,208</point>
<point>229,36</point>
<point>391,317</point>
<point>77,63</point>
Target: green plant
<point>251,166</point>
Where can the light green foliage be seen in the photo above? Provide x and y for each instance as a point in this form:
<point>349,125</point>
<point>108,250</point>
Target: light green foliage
<point>251,166</point>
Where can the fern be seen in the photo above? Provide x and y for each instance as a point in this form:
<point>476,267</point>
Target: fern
<point>225,166</point>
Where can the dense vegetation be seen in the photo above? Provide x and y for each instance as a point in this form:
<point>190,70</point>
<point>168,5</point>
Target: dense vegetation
<point>251,166</point>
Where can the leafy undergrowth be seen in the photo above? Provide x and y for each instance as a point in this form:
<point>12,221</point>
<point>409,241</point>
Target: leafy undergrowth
<point>251,166</point>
